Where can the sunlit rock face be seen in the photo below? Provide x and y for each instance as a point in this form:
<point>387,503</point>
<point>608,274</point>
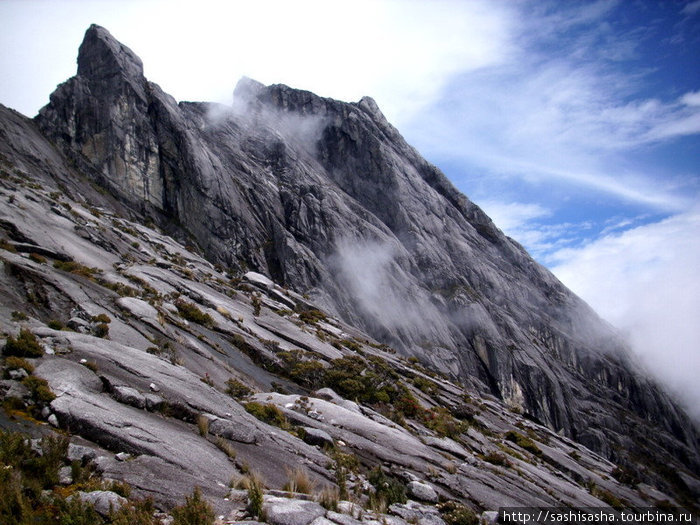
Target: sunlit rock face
<point>326,198</point>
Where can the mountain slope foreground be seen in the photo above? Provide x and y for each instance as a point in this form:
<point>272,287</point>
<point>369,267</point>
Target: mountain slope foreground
<point>280,249</point>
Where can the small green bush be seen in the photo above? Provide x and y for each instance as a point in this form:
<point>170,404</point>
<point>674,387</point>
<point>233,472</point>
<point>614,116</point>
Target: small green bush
<point>236,389</point>
<point>25,345</point>
<point>523,442</point>
<point>55,324</point>
<point>268,413</point>
<point>440,420</point>
<point>195,511</point>
<point>387,490</point>
<point>457,514</point>
<point>625,476</point>
<point>76,268</point>
<point>139,512</point>
<point>312,316</point>
<point>102,318</point>
<point>496,459</point>
<point>19,316</point>
<point>39,389</point>
<point>191,312</point>
<point>102,330</point>
<point>15,363</point>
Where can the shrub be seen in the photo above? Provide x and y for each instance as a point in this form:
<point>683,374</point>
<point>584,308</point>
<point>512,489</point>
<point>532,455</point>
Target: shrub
<point>37,258</point>
<point>55,324</point>
<point>15,363</point>
<point>90,365</point>
<point>74,511</point>
<point>523,442</point>
<point>309,373</point>
<point>387,490</point>
<point>192,313</point>
<point>136,513</point>
<point>39,389</point>
<point>312,316</point>
<point>442,423</point>
<point>609,498</point>
<point>26,345</point>
<point>496,459</point>
<point>6,245</point>
<point>102,330</point>
<point>625,476</point>
<point>19,316</point>
<point>369,381</point>
<point>268,413</point>
<point>236,389</point>
<point>102,318</point>
<point>454,513</point>
<point>351,344</point>
<point>76,268</point>
<point>195,511</point>
<point>257,304</point>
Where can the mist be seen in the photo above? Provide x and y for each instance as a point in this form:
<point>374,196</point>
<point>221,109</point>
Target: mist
<point>302,131</point>
<point>644,281</point>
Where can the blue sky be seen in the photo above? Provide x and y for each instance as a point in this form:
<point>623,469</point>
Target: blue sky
<point>574,124</point>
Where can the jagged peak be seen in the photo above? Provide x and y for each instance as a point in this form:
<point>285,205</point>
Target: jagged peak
<point>101,57</point>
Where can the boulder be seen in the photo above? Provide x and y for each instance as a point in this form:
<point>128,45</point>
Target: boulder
<point>80,453</point>
<point>285,511</point>
<point>315,436</point>
<point>104,501</point>
<point>422,492</point>
<point>65,476</point>
<point>129,396</point>
<point>231,430</point>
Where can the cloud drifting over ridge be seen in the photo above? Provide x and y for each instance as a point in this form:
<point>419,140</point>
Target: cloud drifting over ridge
<point>644,280</point>
<point>398,52</point>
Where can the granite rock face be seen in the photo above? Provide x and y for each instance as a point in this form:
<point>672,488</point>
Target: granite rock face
<point>169,373</point>
<point>325,199</point>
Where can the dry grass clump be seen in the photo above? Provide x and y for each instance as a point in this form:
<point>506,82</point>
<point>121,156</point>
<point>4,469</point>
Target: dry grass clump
<point>298,481</point>
<point>203,424</point>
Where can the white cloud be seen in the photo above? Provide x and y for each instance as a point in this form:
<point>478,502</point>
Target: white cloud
<point>691,99</point>
<point>645,282</point>
<point>511,216</point>
<point>399,52</point>
<point>557,114</point>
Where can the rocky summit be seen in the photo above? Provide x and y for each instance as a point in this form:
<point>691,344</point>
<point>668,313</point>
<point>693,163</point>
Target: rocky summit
<point>284,293</point>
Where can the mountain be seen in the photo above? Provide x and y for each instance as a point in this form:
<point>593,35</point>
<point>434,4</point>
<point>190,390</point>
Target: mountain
<point>366,247</point>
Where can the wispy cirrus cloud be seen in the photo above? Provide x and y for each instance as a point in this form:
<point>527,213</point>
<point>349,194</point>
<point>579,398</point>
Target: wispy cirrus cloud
<point>563,108</point>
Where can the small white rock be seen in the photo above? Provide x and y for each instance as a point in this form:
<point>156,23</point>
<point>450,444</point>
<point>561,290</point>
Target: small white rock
<point>154,387</point>
<point>53,420</point>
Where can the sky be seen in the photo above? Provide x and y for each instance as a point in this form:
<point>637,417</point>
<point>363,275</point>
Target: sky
<point>574,124</point>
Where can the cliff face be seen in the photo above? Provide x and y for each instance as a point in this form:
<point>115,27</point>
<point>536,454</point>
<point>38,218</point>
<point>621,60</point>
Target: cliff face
<point>326,198</point>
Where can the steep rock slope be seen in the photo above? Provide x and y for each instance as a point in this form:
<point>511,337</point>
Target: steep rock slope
<point>326,198</point>
<point>156,357</point>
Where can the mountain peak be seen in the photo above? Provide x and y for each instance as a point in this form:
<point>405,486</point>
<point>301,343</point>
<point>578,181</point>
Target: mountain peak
<point>101,57</point>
